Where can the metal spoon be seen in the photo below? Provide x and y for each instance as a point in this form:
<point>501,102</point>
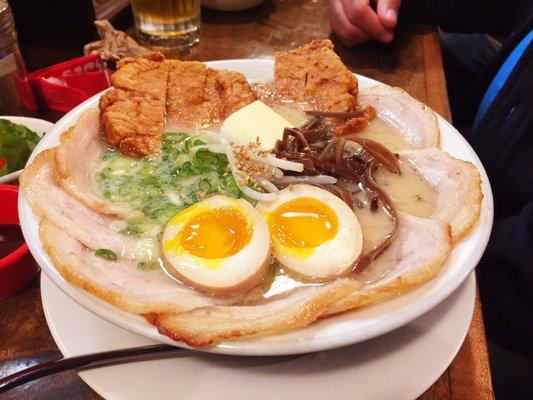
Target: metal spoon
<point>86,361</point>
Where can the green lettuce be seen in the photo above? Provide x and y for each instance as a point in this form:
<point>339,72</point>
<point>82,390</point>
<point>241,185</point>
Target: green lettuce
<point>16,144</point>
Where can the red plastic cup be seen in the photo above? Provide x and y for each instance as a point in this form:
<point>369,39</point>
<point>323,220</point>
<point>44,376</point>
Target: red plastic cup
<point>18,268</point>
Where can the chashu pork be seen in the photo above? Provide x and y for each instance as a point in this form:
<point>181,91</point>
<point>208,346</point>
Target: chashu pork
<point>89,227</point>
<point>414,257</point>
<point>121,283</point>
<point>298,308</point>
<point>77,158</point>
<point>415,121</point>
<point>457,184</point>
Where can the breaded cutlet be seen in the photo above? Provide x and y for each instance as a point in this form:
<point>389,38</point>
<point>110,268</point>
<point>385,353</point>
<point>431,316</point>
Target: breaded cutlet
<point>198,96</point>
<point>314,73</point>
<point>132,114</point>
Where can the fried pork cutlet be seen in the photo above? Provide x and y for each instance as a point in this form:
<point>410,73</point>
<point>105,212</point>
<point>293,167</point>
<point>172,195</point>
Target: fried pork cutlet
<point>191,99</point>
<point>150,88</point>
<point>233,89</point>
<point>314,73</point>
<point>199,96</point>
<point>132,115</point>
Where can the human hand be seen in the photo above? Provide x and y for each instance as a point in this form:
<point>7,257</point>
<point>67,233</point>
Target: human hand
<point>355,22</point>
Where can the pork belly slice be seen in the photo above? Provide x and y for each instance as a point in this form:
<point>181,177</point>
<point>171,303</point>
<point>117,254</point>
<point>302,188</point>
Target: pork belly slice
<point>133,113</point>
<point>457,184</point>
<point>48,200</point>
<point>77,160</point>
<point>314,73</point>
<point>297,308</point>
<point>414,257</point>
<point>415,121</point>
<point>198,96</point>
<point>121,283</point>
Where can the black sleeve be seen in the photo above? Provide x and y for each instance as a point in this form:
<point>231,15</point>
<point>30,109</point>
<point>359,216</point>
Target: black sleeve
<point>505,276</point>
<point>480,16</point>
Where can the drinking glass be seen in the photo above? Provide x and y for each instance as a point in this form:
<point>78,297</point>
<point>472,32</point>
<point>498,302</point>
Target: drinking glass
<point>167,23</point>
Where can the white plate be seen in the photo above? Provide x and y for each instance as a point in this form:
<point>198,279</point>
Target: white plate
<point>398,366</point>
<point>340,330</point>
<point>39,126</point>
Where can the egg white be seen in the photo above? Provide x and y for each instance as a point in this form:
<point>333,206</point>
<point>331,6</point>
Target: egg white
<point>232,274</point>
<point>331,258</point>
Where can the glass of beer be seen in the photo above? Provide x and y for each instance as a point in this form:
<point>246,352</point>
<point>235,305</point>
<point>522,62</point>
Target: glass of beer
<point>167,23</point>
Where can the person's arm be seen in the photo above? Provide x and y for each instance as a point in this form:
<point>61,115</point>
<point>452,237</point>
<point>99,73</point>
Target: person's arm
<point>356,21</point>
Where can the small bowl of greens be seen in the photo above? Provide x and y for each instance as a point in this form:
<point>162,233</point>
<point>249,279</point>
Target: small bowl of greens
<point>18,138</point>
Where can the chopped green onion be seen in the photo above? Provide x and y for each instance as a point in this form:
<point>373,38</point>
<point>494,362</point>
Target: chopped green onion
<point>107,254</point>
<point>132,229</point>
<point>186,169</point>
<point>206,156</point>
<point>230,183</point>
<point>157,187</point>
<point>205,185</point>
<point>170,149</point>
<point>167,212</point>
<point>176,137</point>
<point>187,145</point>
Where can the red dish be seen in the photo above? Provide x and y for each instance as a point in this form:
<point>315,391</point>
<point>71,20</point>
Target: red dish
<point>17,268</point>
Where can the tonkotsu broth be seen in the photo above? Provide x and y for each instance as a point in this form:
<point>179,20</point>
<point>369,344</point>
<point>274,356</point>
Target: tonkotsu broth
<point>375,225</point>
<point>410,192</point>
<point>386,134</point>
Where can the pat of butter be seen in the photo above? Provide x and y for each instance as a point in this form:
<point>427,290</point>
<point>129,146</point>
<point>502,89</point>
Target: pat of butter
<point>256,120</point>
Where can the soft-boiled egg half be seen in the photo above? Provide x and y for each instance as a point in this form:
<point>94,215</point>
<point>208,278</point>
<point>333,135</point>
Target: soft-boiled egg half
<point>314,233</point>
<point>220,245</point>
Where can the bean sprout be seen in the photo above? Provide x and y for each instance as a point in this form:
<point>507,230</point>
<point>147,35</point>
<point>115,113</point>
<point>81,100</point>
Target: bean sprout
<point>318,179</point>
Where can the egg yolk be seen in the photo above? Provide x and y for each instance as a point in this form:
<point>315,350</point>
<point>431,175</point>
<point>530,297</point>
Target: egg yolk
<point>213,233</point>
<point>303,223</point>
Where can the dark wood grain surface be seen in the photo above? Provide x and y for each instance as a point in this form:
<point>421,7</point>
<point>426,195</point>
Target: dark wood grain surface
<point>413,62</point>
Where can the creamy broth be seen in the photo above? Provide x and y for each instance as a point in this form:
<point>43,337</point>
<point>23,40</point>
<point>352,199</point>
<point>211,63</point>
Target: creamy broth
<point>375,225</point>
<point>386,134</point>
<point>410,192</point>
<point>278,282</point>
<point>295,116</point>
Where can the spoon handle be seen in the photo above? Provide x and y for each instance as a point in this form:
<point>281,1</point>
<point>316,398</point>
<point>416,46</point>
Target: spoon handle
<point>87,361</point>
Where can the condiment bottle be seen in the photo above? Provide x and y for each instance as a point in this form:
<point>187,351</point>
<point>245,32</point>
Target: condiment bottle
<point>16,97</point>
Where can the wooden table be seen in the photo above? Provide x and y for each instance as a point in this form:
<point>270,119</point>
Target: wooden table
<point>412,62</point>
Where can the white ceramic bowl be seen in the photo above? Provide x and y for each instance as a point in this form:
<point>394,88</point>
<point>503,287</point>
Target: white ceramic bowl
<point>39,126</point>
<point>231,5</point>
<point>344,329</point>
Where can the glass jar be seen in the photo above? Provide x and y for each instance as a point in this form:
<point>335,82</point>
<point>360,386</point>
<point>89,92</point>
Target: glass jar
<point>16,97</point>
